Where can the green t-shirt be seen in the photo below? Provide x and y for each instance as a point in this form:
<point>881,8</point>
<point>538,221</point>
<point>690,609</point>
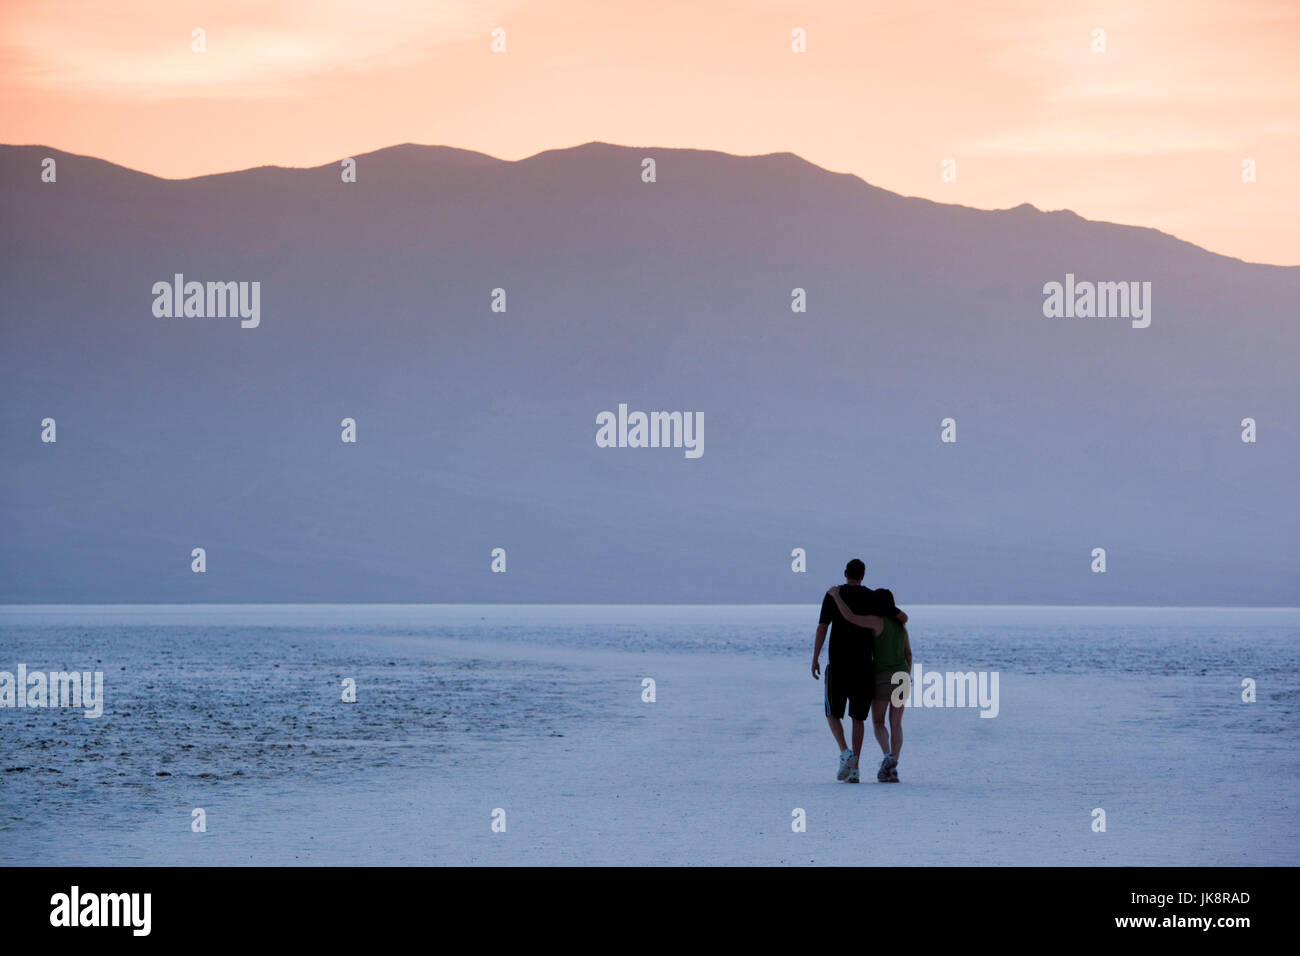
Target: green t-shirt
<point>890,642</point>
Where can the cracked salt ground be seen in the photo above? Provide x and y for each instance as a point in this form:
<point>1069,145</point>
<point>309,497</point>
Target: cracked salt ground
<point>539,711</point>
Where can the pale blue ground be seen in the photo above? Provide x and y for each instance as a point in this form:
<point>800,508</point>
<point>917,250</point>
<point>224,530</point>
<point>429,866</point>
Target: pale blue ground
<point>208,703</point>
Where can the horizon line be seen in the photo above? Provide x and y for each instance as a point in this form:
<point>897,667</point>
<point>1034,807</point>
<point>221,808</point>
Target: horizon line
<point>4,605</point>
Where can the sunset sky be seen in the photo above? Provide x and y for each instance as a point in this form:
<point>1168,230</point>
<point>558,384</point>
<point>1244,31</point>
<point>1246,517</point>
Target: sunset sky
<point>1153,131</point>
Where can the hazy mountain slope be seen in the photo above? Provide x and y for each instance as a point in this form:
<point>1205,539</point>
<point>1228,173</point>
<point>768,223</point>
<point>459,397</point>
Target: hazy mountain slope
<point>477,429</point>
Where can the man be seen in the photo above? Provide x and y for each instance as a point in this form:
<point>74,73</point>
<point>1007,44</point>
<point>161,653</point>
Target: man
<point>850,663</point>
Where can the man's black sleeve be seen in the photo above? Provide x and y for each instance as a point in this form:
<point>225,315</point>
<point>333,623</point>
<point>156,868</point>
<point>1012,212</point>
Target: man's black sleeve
<point>829,611</point>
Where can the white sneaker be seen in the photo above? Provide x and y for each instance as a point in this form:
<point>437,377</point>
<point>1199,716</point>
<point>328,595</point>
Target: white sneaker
<point>846,761</point>
<point>853,773</point>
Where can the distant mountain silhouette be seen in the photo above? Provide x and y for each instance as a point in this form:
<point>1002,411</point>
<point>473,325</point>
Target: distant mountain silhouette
<point>477,429</point>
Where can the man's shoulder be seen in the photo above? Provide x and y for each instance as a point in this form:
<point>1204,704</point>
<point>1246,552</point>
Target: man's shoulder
<point>859,599</point>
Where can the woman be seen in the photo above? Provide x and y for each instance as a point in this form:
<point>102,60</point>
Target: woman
<point>893,666</point>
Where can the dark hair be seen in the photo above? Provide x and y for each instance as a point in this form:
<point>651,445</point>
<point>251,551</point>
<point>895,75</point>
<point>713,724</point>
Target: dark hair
<point>855,570</point>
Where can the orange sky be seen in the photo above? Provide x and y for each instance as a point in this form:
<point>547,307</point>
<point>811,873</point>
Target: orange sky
<point>1152,132</point>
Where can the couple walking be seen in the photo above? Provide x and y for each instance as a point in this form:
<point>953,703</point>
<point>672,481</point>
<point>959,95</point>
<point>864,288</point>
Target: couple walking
<point>868,666</point>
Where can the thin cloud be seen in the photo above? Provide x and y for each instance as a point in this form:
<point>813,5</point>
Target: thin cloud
<point>253,50</point>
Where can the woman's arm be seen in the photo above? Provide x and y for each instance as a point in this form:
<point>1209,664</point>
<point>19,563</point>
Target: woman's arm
<point>907,648</point>
<point>871,622</point>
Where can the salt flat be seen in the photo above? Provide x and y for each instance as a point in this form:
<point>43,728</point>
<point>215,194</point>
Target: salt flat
<point>448,729</point>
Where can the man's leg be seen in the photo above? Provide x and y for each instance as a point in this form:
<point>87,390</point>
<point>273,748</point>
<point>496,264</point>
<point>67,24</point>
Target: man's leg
<point>834,709</point>
<point>837,731</point>
<point>860,700</point>
<point>836,699</point>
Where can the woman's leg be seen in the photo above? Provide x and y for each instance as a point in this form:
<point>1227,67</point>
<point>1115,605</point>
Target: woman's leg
<point>878,724</point>
<point>895,727</point>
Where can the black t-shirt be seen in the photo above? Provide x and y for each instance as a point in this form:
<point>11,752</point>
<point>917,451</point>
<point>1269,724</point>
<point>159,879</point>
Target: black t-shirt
<point>850,645</point>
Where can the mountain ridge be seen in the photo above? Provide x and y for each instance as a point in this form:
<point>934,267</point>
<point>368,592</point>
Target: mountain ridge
<point>457,157</point>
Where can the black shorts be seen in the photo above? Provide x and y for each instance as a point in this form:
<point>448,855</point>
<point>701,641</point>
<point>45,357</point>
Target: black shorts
<point>856,686</point>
